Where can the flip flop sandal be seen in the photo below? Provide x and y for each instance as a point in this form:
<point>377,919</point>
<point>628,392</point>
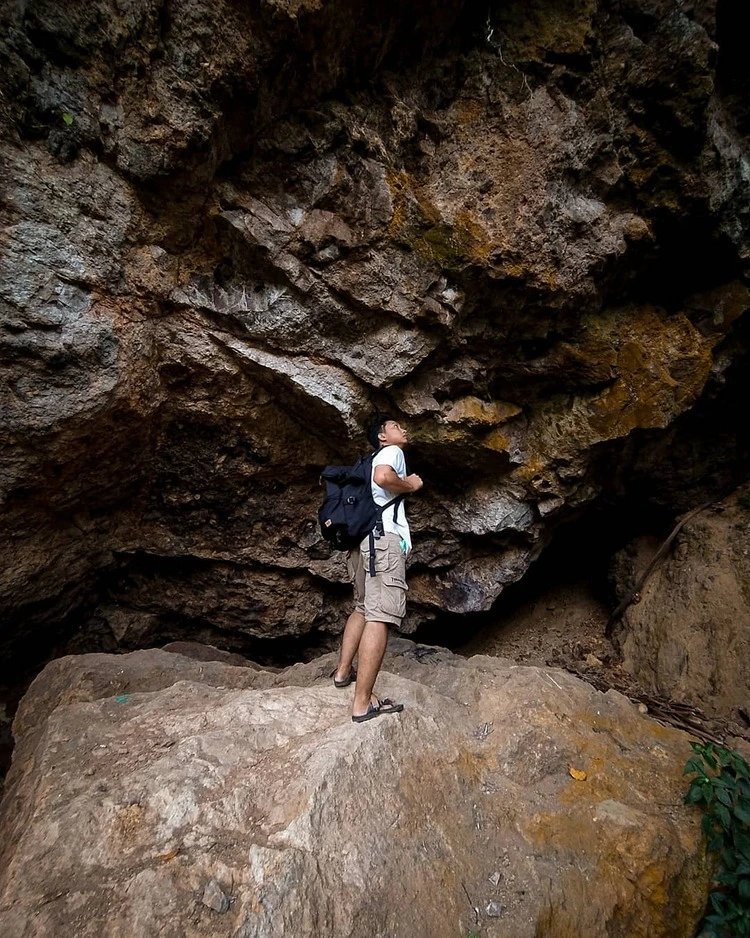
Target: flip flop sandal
<point>347,680</point>
<point>386,705</point>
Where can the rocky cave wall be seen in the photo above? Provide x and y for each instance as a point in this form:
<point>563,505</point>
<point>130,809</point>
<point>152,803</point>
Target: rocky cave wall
<point>230,231</point>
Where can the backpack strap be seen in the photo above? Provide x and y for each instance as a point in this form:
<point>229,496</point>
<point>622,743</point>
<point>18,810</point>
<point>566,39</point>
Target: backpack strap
<point>396,502</point>
<point>379,526</point>
<point>372,553</point>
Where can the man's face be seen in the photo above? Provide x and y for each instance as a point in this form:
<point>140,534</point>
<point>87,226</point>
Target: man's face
<point>393,434</point>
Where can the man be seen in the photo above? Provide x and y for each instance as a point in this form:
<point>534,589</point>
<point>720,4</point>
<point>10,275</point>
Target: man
<point>379,601</point>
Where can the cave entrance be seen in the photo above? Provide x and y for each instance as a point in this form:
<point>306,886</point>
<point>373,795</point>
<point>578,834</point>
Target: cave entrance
<point>557,614</point>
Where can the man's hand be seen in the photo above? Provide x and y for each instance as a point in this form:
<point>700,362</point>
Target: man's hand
<point>414,481</point>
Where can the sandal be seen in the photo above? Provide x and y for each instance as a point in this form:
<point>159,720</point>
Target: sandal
<point>386,705</point>
<point>347,680</point>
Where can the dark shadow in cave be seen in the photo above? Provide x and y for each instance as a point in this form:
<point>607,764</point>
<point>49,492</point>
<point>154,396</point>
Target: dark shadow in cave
<point>21,660</point>
<point>85,632</point>
<point>688,258</point>
<point>733,78</point>
<point>267,652</point>
<point>579,554</point>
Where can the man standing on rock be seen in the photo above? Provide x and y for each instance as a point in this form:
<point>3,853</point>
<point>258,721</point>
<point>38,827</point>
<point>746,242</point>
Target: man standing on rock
<point>380,600</point>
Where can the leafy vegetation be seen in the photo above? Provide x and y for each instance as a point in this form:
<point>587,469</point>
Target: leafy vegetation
<point>721,787</point>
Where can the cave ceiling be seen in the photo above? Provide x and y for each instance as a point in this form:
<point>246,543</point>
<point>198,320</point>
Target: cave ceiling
<point>231,231</point>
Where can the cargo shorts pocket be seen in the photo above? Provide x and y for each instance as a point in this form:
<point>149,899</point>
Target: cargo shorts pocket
<point>393,595</point>
<point>382,555</point>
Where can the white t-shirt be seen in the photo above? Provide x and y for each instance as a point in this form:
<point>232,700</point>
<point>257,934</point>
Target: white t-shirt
<point>392,456</point>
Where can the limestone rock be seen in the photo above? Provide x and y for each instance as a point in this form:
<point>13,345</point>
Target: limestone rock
<point>121,808</point>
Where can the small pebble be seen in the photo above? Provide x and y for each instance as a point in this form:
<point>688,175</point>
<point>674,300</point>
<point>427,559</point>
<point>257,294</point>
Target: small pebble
<point>642,708</point>
<point>215,898</point>
<point>494,909</point>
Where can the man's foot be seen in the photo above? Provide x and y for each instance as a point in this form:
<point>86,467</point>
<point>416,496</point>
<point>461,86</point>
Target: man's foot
<point>380,707</point>
<point>343,682</point>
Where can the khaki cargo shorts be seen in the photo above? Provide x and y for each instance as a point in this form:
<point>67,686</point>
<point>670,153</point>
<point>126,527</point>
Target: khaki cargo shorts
<point>381,598</point>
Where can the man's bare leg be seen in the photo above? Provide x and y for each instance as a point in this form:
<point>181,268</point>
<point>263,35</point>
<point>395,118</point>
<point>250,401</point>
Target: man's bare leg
<point>372,647</point>
<point>355,626</point>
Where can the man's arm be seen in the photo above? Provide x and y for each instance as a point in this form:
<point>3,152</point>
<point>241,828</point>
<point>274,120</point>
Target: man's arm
<point>387,478</point>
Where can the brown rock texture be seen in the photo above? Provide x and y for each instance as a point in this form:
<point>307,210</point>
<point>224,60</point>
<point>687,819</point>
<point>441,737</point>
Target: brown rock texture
<point>688,636</point>
<point>153,793</point>
<point>229,231</point>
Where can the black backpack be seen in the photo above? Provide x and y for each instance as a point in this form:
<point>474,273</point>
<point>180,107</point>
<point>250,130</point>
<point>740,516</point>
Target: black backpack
<point>349,513</point>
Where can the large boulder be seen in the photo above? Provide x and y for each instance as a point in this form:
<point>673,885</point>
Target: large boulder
<point>157,794</point>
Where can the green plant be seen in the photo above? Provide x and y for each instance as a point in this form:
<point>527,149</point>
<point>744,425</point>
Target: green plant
<point>67,118</point>
<point>721,787</point>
